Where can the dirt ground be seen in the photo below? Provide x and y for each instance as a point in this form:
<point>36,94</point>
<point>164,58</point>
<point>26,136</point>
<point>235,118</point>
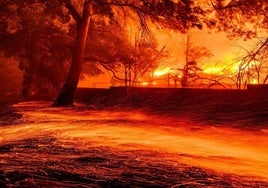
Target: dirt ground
<point>41,146</point>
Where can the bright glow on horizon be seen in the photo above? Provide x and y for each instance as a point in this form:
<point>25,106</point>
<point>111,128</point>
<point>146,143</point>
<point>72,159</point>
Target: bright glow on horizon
<point>144,83</point>
<point>213,70</point>
<point>161,72</point>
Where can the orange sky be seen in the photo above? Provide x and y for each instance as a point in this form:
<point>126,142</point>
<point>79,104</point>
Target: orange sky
<point>222,48</point>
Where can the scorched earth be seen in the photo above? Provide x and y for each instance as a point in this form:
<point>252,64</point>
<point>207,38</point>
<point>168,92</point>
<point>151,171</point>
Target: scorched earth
<point>42,146</point>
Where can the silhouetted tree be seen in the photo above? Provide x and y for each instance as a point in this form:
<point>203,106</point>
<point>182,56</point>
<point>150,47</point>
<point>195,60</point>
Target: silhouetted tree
<point>253,65</point>
<point>179,15</point>
<point>246,20</point>
<point>35,36</point>
<point>67,93</point>
<point>240,18</point>
<point>11,77</point>
<point>127,58</point>
<point>194,52</point>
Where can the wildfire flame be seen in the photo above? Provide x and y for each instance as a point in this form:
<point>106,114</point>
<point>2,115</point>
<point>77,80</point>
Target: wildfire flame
<point>161,72</point>
<point>213,70</point>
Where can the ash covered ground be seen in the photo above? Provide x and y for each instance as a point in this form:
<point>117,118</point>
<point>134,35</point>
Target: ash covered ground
<point>42,146</point>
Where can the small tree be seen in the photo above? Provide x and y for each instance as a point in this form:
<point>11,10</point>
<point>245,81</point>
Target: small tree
<point>190,74</point>
<point>194,53</point>
<point>115,52</point>
<point>246,20</point>
<point>254,65</point>
<point>140,59</point>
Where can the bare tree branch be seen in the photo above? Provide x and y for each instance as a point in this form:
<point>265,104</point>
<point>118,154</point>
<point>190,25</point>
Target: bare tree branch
<point>232,4</point>
<point>76,16</point>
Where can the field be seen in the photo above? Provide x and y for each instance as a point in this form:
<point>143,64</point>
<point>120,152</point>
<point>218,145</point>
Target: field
<point>154,138</point>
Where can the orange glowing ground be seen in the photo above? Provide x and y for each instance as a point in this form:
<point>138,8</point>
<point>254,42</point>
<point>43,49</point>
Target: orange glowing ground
<point>99,148</point>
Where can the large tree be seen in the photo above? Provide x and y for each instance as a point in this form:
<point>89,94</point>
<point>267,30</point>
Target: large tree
<point>11,76</point>
<point>67,93</point>
<point>178,15</point>
<point>34,35</point>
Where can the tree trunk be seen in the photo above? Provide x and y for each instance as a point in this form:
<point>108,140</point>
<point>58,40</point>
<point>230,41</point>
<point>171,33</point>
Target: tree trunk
<point>66,96</point>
